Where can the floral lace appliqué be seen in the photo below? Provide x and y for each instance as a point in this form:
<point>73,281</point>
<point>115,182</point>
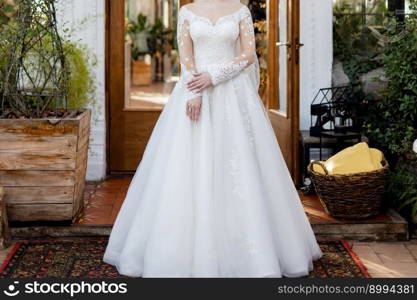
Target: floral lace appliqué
<point>246,109</point>
<point>235,173</point>
<point>227,71</point>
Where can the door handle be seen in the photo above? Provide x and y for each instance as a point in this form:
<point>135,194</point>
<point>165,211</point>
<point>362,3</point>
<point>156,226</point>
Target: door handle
<point>298,46</point>
<point>279,44</point>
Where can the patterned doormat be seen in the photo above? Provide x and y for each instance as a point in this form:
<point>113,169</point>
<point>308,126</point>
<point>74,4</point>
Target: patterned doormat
<point>83,259</point>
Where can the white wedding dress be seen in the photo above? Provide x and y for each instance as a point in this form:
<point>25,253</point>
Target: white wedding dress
<point>213,198</point>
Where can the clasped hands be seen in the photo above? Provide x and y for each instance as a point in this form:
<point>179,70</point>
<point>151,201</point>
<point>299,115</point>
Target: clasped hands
<point>200,82</point>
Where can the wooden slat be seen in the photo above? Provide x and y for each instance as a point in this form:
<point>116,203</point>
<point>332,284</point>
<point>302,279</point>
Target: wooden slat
<point>79,186</point>
<point>24,142</point>
<point>79,189</point>
<point>84,129</point>
<point>39,127</point>
<point>38,195</point>
<point>37,178</point>
<point>38,145</point>
<point>82,155</point>
<point>5,236</point>
<point>37,160</point>
<point>39,212</point>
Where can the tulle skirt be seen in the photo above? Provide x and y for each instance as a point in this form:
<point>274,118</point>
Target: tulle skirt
<point>213,198</point>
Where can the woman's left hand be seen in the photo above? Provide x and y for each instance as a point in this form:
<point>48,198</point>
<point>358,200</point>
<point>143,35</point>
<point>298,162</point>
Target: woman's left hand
<point>199,82</point>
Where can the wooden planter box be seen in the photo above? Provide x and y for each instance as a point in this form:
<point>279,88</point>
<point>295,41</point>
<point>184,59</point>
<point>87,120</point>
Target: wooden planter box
<point>43,166</point>
<point>5,237</point>
<point>141,73</point>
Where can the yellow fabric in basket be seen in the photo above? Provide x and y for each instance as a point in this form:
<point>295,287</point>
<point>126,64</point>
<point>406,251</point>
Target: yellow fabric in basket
<point>376,157</point>
<point>354,159</point>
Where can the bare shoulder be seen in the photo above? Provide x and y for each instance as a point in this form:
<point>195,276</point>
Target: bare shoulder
<point>189,5</point>
<point>244,9</point>
<point>238,6</point>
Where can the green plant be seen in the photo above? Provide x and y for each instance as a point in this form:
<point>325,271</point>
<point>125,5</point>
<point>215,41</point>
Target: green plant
<point>141,25</point>
<point>402,189</point>
<point>357,43</point>
<point>148,38</point>
<point>392,121</point>
<point>35,73</point>
<point>81,87</point>
<point>39,68</point>
<point>7,10</point>
<point>138,32</point>
<point>346,31</point>
<point>159,38</point>
<point>356,65</point>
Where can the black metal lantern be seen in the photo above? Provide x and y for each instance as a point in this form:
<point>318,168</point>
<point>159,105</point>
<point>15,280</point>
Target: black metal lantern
<point>333,109</point>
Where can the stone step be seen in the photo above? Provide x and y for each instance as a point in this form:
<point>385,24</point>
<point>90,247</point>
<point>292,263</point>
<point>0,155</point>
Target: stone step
<point>387,226</point>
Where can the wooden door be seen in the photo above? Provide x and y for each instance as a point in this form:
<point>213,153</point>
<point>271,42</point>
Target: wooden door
<point>284,77</point>
<point>128,128</point>
<point>183,2</point>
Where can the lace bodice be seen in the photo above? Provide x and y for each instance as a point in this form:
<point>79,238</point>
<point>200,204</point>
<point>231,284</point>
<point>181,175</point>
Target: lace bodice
<point>223,47</point>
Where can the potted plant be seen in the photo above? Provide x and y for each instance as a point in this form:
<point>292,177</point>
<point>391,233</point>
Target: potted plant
<point>44,128</point>
<point>159,43</point>
<point>138,32</point>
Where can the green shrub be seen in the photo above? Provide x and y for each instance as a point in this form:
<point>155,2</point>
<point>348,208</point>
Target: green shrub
<point>392,121</point>
<point>402,190</point>
<point>355,43</point>
<point>81,87</point>
<point>41,69</point>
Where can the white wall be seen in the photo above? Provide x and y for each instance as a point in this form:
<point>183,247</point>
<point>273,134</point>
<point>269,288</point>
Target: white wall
<point>87,19</point>
<point>317,54</point>
<point>145,7</point>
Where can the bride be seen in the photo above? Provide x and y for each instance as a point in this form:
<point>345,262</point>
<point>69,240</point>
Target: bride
<point>212,196</point>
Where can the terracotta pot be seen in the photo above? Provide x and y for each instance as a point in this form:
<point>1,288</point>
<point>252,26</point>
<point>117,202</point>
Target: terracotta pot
<point>141,73</point>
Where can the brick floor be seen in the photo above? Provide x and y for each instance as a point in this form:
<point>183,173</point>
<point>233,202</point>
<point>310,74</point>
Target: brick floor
<point>103,201</point>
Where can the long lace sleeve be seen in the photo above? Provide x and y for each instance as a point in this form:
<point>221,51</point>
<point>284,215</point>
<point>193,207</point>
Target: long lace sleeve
<point>247,54</point>
<point>186,53</point>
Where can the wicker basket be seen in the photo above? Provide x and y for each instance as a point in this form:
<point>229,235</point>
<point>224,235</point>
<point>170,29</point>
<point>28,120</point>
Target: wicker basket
<point>350,196</point>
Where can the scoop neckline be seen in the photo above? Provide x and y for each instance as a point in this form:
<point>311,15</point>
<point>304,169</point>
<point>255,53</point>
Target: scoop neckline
<point>220,18</point>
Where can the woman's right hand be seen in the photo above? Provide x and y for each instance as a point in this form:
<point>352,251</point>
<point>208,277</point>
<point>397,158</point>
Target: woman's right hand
<point>194,108</point>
